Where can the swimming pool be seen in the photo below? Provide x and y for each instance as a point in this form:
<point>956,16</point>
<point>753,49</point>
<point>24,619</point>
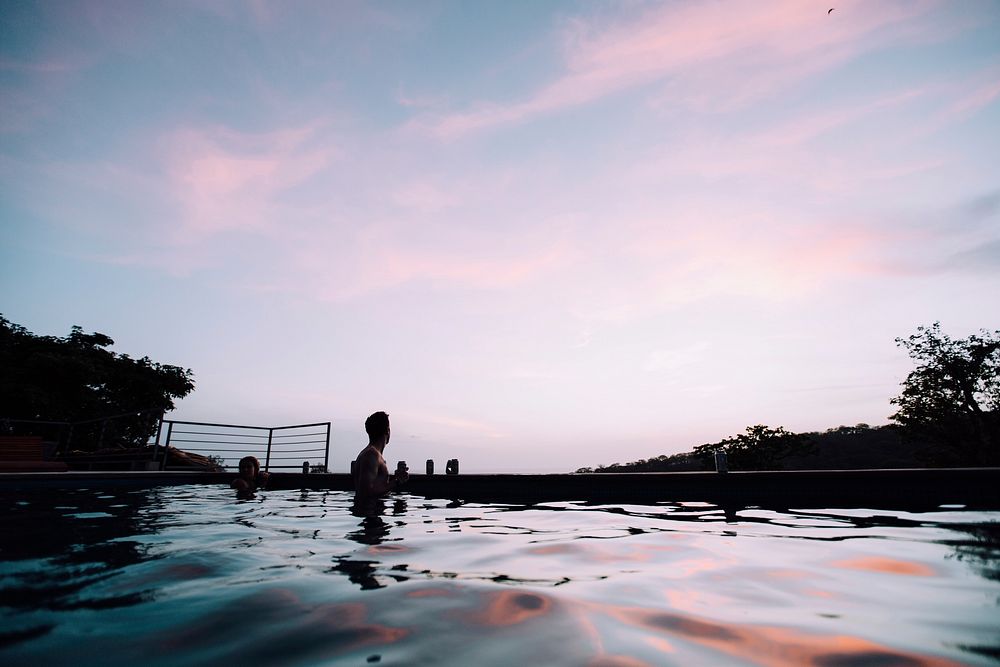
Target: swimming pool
<point>191,575</point>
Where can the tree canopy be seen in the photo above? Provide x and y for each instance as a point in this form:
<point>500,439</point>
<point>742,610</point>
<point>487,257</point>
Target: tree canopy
<point>759,448</point>
<point>78,378</point>
<point>951,400</point>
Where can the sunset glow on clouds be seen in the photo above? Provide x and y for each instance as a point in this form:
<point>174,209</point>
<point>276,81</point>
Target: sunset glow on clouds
<point>602,231</point>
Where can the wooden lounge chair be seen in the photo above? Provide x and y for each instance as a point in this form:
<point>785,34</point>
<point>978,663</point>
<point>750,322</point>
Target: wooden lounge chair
<point>25,453</point>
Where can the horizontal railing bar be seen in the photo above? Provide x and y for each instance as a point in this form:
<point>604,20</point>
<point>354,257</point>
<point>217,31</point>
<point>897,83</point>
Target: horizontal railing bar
<point>134,413</point>
<point>296,442</point>
<point>123,455</point>
<point>294,467</point>
<point>257,428</point>
<point>213,442</point>
<point>261,443</point>
<point>213,448</point>
<point>300,435</point>
<point>221,435</point>
<point>216,449</point>
<point>33,421</point>
<point>292,451</point>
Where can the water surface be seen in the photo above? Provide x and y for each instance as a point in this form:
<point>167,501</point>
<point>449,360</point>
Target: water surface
<point>192,575</point>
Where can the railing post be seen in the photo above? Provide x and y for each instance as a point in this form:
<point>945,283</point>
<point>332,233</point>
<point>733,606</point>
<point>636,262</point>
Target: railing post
<point>166,446</point>
<point>156,443</point>
<point>69,439</point>
<point>326,458</point>
<point>267,460</point>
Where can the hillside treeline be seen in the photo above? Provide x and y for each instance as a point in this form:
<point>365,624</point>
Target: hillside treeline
<point>841,448</point>
<point>947,415</point>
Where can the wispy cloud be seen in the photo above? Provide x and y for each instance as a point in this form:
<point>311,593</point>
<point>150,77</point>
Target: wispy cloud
<point>662,360</point>
<point>785,43</point>
<point>223,179</point>
<point>977,99</point>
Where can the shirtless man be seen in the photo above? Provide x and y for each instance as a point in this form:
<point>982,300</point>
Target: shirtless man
<point>371,476</point>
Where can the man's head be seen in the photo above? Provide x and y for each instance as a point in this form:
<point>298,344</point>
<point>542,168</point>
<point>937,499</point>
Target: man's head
<point>377,426</point>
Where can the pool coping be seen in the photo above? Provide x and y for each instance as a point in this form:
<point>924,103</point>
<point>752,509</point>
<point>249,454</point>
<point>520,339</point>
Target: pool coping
<point>968,487</point>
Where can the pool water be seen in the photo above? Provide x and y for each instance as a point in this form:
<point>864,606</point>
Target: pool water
<point>192,575</point>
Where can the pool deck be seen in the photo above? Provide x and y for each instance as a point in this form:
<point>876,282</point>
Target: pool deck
<point>924,487</point>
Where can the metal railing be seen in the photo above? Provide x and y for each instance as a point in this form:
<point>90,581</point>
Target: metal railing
<point>87,435</point>
<point>276,447</point>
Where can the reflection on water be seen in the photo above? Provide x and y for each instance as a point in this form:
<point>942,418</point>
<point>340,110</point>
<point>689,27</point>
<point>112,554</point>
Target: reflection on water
<point>891,565</point>
<point>193,575</point>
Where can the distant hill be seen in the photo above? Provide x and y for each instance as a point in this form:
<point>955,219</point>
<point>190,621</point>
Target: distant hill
<point>841,448</point>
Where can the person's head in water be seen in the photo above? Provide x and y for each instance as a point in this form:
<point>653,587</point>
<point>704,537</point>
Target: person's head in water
<point>377,426</point>
<point>250,477</point>
<point>249,468</point>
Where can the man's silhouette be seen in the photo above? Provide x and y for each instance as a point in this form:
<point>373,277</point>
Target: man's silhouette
<point>371,475</point>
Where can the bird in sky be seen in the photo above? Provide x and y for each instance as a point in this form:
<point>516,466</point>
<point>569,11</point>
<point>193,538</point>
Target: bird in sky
<point>830,10</point>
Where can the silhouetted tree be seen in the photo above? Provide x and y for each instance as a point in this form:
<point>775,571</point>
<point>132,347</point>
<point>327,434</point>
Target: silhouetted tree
<point>760,448</point>
<point>951,400</point>
<point>77,378</point>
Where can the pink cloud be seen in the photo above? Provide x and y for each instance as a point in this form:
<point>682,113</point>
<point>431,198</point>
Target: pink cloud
<point>801,129</point>
<point>223,179</point>
<point>425,197</point>
<point>788,153</point>
<point>688,41</point>
<point>963,97</point>
<point>383,263</point>
<point>772,259</point>
<point>979,98</point>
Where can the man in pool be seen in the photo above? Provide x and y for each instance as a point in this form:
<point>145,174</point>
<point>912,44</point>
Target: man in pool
<point>371,475</point>
<point>251,478</point>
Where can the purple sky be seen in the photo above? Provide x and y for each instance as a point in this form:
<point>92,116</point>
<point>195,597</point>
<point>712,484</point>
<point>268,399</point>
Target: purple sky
<point>541,235</point>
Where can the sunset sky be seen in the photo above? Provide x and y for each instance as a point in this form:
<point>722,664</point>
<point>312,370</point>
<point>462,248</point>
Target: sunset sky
<point>541,235</point>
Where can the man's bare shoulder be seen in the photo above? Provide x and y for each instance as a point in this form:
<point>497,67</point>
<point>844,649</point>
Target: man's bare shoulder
<point>369,453</point>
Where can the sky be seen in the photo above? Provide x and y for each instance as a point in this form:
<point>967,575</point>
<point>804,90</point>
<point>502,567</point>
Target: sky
<point>541,235</point>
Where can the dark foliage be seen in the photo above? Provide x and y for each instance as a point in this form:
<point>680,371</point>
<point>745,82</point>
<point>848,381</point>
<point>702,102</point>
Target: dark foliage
<point>951,400</point>
<point>762,448</point>
<point>77,378</point>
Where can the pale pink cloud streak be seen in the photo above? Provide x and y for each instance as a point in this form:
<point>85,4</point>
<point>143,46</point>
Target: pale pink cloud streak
<point>770,259</point>
<point>385,263</point>
<point>787,152</point>
<point>676,40</point>
<point>979,98</point>
<point>222,179</point>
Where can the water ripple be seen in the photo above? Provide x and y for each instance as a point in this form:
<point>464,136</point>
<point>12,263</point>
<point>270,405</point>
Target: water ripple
<point>194,575</point>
